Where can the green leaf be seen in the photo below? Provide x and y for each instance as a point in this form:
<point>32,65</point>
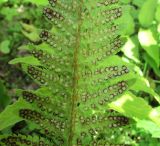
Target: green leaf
<point>146,37</point>
<point>138,3</point>
<point>149,42</point>
<point>152,63</point>
<point>129,22</point>
<point>30,32</point>
<point>125,1</point>
<point>132,106</point>
<point>4,47</point>
<point>136,108</point>
<point>157,15</point>
<point>142,84</point>
<point>37,2</point>
<point>155,115</point>
<point>150,127</point>
<point>10,115</point>
<point>131,49</point>
<point>146,15</point>
<point>28,60</point>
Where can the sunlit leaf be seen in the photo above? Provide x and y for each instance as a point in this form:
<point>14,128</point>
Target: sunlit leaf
<point>131,49</point>
<point>149,42</point>
<point>132,106</point>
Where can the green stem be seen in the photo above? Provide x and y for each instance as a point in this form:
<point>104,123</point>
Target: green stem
<point>156,81</point>
<point>74,97</point>
<point>145,69</point>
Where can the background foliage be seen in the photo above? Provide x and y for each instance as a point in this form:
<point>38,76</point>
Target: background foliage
<point>20,20</point>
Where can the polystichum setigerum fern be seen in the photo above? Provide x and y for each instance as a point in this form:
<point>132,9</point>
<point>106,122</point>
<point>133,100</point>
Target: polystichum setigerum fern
<point>79,74</point>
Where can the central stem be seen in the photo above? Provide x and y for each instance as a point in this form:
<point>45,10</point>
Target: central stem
<point>74,97</point>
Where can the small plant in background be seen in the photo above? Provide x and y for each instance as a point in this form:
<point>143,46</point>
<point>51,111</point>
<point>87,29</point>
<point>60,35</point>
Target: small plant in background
<point>85,94</point>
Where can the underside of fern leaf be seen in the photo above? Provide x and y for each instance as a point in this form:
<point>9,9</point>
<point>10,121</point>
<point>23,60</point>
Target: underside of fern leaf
<point>79,74</point>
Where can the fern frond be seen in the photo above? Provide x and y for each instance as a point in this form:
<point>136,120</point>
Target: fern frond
<point>79,75</point>
<point>23,140</point>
